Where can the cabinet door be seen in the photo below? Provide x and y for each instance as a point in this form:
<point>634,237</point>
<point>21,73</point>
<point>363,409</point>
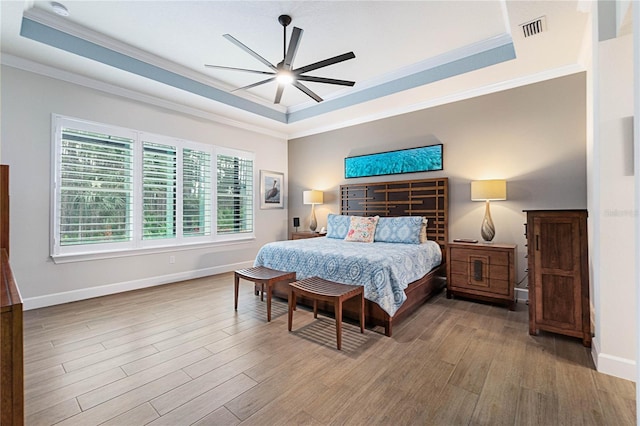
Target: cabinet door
<point>557,280</point>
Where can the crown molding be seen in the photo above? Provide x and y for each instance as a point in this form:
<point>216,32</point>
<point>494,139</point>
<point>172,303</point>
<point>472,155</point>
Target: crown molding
<point>418,67</point>
<point>68,27</point>
<point>47,71</point>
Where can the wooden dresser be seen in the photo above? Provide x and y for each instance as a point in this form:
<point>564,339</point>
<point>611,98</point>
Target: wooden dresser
<point>558,273</point>
<point>482,271</point>
<point>11,343</point>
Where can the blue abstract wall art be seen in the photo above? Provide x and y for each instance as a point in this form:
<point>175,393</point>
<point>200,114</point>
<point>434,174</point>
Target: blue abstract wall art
<point>412,160</point>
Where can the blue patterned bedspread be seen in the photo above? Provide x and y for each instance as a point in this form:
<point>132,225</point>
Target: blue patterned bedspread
<point>384,269</point>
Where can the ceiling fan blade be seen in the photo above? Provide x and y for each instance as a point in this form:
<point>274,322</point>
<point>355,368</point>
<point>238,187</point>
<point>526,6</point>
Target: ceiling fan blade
<point>279,93</point>
<point>255,84</point>
<point>307,91</point>
<point>293,47</point>
<point>239,69</point>
<point>249,51</point>
<point>325,80</point>
<point>325,63</point>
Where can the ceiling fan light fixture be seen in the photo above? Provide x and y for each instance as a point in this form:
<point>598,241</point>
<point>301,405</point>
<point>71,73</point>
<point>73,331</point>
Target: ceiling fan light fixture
<point>285,77</point>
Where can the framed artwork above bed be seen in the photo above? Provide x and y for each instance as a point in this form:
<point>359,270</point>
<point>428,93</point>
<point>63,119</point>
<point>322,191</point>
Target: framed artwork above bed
<point>411,160</point>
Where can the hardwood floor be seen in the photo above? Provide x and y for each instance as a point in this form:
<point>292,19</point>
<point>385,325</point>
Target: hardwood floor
<point>180,355</point>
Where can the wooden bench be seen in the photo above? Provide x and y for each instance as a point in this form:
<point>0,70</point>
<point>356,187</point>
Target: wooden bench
<point>316,288</point>
<point>261,276</point>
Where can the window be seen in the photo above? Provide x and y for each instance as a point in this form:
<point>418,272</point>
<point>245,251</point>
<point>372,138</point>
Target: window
<point>159,191</point>
<point>235,194</point>
<point>118,189</point>
<point>196,193</point>
<point>95,187</point>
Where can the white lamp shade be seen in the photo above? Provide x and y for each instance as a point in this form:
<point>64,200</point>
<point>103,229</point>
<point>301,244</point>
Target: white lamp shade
<point>483,190</point>
<point>312,197</point>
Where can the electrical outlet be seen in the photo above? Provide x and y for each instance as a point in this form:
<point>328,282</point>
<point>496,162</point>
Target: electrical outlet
<point>172,259</point>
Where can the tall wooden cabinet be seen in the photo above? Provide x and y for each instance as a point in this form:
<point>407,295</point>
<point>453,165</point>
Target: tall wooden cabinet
<point>558,273</point>
<point>11,344</point>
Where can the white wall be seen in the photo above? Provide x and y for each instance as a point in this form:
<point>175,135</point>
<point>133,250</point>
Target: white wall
<point>533,136</point>
<point>615,339</point>
<point>28,101</point>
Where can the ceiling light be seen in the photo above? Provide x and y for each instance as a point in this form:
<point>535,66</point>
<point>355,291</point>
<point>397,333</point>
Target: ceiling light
<point>284,77</point>
<point>59,8</point>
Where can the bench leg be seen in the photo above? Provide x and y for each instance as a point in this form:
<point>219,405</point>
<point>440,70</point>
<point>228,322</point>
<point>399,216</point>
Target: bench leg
<point>338,311</point>
<point>361,312</point>
<point>236,285</point>
<point>292,305</point>
<point>268,302</point>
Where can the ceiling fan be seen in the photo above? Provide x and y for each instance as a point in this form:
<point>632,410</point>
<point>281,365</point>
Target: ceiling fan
<point>283,72</point>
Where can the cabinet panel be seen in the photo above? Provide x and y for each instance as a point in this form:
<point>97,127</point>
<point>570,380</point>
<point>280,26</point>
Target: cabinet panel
<point>555,244</point>
<point>557,307</point>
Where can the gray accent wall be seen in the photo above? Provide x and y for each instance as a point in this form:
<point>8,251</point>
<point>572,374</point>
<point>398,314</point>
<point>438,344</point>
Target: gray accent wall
<point>532,136</point>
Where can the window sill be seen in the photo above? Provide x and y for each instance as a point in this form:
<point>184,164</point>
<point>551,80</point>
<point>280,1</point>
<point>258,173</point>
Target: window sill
<point>89,256</point>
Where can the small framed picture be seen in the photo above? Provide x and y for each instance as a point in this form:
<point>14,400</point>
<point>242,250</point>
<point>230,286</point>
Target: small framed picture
<point>271,184</point>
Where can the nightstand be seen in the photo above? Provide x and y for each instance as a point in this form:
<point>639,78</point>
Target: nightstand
<point>482,271</point>
<point>302,235</point>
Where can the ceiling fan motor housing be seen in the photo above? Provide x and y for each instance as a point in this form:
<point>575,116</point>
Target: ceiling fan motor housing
<point>284,20</point>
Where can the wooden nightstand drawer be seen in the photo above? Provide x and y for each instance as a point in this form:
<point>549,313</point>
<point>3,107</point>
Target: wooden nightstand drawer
<point>489,286</point>
<point>494,257</point>
<point>482,271</point>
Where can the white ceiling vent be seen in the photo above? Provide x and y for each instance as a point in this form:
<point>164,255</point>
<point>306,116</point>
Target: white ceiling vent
<point>534,27</point>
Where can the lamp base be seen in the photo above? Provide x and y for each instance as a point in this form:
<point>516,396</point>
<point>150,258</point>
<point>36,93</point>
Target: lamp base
<point>313,224</point>
<point>487,230</point>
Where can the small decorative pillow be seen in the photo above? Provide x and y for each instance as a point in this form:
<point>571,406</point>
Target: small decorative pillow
<point>362,229</point>
<point>423,231</point>
<point>337,226</point>
<point>404,229</point>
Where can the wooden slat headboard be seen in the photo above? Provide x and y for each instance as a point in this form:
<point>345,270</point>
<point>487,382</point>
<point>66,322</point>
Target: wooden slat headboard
<point>424,197</point>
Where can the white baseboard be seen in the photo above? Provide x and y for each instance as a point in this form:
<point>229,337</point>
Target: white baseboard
<point>104,290</point>
<point>612,365</point>
<point>522,295</point>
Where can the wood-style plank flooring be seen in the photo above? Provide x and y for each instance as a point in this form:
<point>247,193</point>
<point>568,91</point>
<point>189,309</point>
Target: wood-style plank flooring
<point>180,355</point>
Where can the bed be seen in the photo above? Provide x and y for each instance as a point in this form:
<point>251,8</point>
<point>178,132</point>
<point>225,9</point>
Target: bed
<point>398,277</point>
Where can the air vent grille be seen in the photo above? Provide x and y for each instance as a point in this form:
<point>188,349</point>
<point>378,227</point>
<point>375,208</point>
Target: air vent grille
<point>534,27</point>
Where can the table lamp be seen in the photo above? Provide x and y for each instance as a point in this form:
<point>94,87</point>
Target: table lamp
<point>312,197</point>
<point>488,190</point>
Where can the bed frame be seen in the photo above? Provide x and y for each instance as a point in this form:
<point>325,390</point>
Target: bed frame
<point>424,197</point>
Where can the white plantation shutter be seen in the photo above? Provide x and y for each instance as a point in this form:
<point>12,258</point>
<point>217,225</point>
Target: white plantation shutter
<point>196,193</point>
<point>120,190</point>
<point>95,188</point>
<point>235,194</point>
<point>159,191</point>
